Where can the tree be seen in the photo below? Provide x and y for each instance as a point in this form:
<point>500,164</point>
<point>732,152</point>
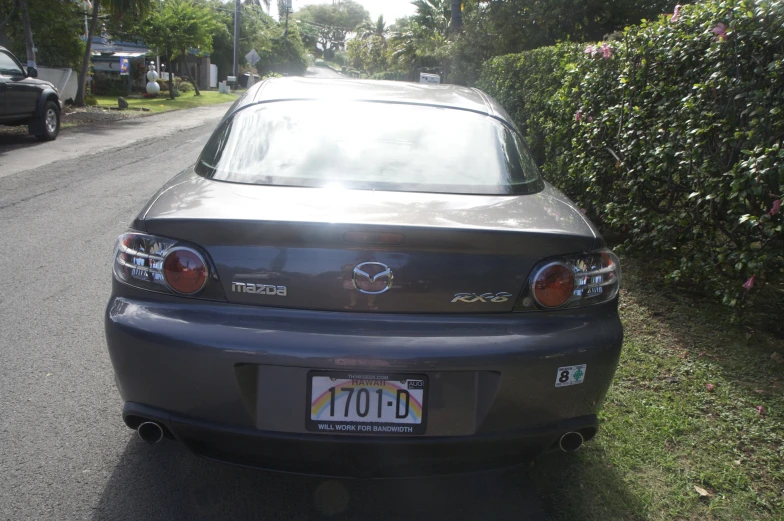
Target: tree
<point>178,28</point>
<point>422,41</point>
<point>334,22</point>
<point>369,30</point>
<point>456,13</point>
<point>283,7</point>
<point>118,9</point>
<point>259,31</point>
<point>28,33</point>
<point>433,15</point>
<point>56,26</point>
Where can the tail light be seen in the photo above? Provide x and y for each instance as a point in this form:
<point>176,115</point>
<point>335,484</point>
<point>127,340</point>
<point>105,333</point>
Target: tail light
<point>185,271</point>
<point>572,281</point>
<point>163,265</point>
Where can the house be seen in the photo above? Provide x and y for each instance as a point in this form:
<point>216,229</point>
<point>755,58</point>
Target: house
<point>107,57</point>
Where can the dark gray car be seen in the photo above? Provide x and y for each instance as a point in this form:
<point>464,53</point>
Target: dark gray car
<point>364,278</point>
<point>26,100</point>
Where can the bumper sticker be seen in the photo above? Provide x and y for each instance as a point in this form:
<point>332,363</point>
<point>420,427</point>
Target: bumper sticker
<point>571,375</point>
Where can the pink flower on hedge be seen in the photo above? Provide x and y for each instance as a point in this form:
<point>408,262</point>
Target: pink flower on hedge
<point>590,50</point>
<point>710,387</point>
<point>676,14</point>
<point>607,51</point>
<point>749,283</point>
<point>720,31</point>
<point>776,208</point>
<point>578,116</point>
<point>760,410</point>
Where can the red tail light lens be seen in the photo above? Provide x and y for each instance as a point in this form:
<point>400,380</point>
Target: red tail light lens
<point>570,281</point>
<point>553,285</point>
<point>185,271</point>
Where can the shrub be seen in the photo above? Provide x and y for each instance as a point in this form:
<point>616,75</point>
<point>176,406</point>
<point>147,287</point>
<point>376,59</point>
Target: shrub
<point>183,85</point>
<point>671,135</point>
<point>90,100</point>
<point>390,75</point>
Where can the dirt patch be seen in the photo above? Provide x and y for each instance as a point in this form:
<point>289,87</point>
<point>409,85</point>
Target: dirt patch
<point>96,115</point>
<point>73,116</point>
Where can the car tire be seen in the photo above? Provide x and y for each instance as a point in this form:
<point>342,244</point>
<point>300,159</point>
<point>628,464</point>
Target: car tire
<point>50,122</point>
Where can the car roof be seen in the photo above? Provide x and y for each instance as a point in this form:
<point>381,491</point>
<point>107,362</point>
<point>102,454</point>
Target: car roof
<point>448,96</point>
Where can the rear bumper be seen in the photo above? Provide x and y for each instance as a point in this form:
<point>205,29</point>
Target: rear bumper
<point>229,381</point>
<point>351,456</point>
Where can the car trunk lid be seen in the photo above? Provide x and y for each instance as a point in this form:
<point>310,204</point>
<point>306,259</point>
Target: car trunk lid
<point>368,251</point>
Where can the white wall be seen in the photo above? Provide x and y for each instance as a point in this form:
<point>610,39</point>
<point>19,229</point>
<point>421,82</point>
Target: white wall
<point>64,79</point>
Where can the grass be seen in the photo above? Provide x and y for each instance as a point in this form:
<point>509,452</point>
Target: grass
<point>682,412</point>
<point>162,103</point>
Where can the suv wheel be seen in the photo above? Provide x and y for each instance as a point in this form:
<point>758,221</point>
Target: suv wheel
<point>50,122</point>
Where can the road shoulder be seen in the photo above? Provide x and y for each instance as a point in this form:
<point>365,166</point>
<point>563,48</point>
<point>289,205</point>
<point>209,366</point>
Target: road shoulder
<point>22,153</point>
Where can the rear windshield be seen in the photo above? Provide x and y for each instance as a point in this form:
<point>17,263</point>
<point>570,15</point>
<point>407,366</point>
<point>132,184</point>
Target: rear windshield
<point>369,146</point>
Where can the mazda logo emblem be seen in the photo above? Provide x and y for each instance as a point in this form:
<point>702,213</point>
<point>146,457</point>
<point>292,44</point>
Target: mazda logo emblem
<point>372,278</point>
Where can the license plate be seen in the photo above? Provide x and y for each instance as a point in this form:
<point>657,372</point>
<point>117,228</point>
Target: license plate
<point>366,403</point>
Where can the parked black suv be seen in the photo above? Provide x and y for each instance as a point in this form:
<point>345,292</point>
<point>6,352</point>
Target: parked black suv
<point>25,100</point>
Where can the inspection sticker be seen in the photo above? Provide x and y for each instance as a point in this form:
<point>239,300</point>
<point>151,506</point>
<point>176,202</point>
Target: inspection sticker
<point>572,375</point>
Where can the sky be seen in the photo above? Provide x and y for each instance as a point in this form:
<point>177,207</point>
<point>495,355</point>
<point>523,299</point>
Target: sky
<point>391,9</point>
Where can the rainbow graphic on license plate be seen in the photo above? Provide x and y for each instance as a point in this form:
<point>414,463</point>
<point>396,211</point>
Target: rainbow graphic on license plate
<point>366,403</point>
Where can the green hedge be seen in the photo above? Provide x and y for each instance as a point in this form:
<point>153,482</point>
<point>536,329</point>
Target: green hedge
<point>670,135</point>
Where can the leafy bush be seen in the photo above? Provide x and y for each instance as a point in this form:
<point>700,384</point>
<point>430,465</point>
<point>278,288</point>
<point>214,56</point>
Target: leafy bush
<point>671,135</point>
<point>183,85</point>
<point>90,100</point>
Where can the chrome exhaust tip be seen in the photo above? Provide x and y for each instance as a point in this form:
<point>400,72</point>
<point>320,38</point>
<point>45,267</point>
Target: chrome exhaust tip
<point>571,442</point>
<point>150,432</point>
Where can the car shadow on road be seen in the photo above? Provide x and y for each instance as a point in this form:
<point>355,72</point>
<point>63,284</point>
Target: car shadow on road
<point>13,141</point>
<point>166,482</point>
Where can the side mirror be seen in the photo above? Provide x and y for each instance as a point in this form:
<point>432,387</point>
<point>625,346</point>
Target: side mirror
<point>32,72</point>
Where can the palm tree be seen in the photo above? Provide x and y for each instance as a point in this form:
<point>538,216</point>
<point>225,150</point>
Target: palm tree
<point>118,9</point>
<point>369,29</point>
<point>434,15</point>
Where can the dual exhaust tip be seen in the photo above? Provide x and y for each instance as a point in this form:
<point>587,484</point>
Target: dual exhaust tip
<point>151,432</point>
<point>571,442</point>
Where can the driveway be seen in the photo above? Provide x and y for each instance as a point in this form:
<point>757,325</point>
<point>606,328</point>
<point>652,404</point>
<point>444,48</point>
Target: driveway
<point>64,451</point>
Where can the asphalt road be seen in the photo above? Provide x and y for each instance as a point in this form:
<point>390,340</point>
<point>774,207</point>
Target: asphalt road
<point>64,451</point>
<point>323,72</point>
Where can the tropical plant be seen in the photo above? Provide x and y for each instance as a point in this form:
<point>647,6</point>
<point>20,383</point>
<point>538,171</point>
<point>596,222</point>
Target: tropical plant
<point>370,29</point>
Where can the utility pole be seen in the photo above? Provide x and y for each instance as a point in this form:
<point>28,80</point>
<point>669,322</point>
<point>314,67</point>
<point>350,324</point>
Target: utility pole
<point>236,33</point>
<point>28,34</point>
